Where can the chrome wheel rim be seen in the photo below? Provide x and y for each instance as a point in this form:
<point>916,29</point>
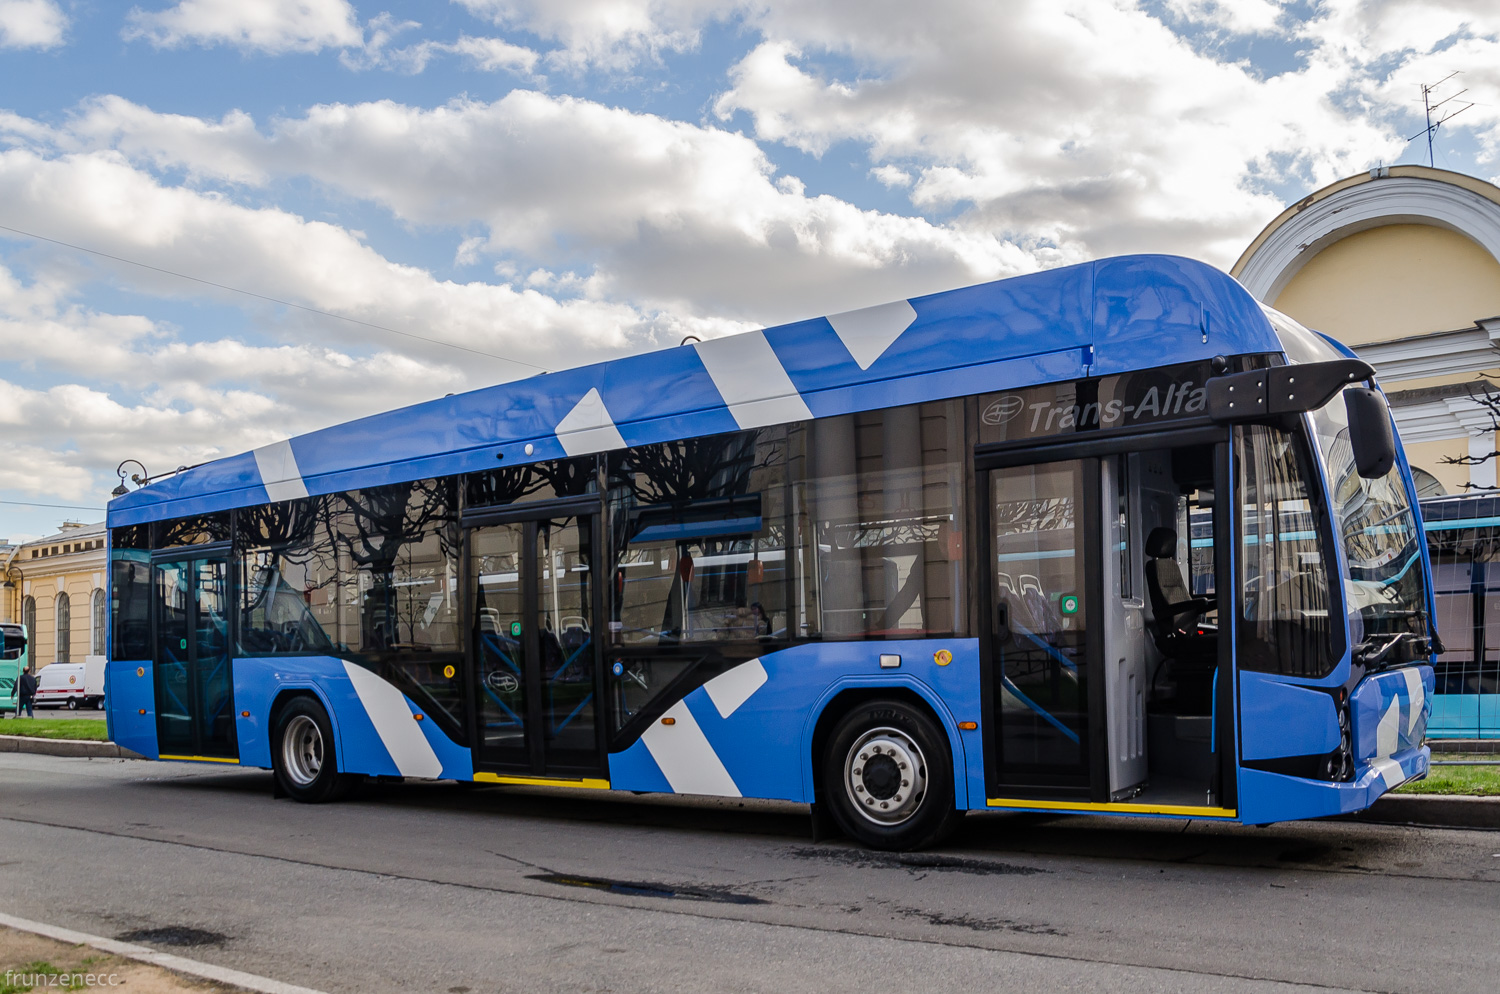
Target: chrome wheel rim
<point>302,750</point>
<point>885,776</point>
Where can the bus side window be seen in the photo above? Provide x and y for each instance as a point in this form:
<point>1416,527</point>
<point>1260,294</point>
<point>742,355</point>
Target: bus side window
<point>1284,583</point>
<point>700,534</point>
<point>882,508</point>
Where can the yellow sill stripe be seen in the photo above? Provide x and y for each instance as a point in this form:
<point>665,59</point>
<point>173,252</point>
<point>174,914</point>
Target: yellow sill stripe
<point>542,781</point>
<point>1181,810</point>
<point>200,759</point>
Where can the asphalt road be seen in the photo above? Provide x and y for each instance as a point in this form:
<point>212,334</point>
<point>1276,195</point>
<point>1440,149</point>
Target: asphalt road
<point>442,887</point>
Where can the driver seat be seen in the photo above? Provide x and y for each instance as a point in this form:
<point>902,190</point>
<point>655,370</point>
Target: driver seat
<point>1177,627</point>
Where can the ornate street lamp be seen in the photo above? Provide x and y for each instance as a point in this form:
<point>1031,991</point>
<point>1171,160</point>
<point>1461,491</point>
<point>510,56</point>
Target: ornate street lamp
<point>139,479</point>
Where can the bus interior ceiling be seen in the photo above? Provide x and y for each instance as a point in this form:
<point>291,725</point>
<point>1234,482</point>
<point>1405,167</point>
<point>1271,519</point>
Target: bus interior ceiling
<point>1161,624</point>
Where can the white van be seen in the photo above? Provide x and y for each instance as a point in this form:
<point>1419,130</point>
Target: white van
<point>72,685</point>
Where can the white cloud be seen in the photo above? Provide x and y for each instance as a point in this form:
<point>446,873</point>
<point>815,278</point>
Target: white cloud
<point>1086,125</point>
<point>31,24</point>
<point>134,387</point>
<point>98,200</point>
<point>1089,125</point>
<point>686,219</point>
<point>609,34</point>
<point>891,177</point>
<point>272,26</point>
<point>1235,16</point>
<point>1367,30</point>
<point>1388,48</point>
<point>483,54</point>
<point>375,48</point>
<point>492,54</point>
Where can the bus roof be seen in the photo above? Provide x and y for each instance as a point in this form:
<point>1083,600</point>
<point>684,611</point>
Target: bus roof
<point>1096,319</point>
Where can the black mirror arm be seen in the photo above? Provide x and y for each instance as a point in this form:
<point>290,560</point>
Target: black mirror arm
<point>1293,389</point>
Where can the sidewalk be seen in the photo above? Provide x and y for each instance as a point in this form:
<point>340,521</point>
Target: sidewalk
<point>65,747</point>
<point>1433,811</point>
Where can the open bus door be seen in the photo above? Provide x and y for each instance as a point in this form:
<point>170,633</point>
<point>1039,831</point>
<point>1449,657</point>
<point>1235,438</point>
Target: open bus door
<point>1106,646</point>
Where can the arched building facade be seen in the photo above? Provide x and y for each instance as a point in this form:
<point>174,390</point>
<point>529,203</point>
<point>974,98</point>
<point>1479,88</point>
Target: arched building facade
<point>1402,264</point>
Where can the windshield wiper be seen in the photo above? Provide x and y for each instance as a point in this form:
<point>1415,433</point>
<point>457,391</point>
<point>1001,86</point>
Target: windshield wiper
<point>1373,654</point>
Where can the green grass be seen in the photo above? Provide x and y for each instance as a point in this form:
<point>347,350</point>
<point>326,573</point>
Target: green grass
<point>1480,781</point>
<point>27,970</point>
<point>55,728</point>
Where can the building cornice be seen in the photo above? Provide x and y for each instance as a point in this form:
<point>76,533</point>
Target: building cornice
<point>1442,353</point>
<point>1389,195</point>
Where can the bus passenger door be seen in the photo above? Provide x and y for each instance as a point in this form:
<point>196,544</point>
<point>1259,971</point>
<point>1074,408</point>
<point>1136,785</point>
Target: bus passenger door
<point>1126,673</point>
<point>1045,628</point>
<point>1105,640</point>
<point>533,651</point>
<point>194,686</point>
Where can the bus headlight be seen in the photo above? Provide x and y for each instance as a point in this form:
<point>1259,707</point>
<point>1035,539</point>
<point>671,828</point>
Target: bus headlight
<point>1339,765</point>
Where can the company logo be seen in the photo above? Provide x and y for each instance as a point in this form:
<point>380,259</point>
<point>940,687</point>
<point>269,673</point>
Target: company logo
<point>505,683</point>
<point>1003,410</point>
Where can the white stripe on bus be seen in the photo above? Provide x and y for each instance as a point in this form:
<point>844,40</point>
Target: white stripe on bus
<point>729,690</point>
<point>685,756</point>
<point>752,380</point>
<point>278,471</point>
<point>393,721</point>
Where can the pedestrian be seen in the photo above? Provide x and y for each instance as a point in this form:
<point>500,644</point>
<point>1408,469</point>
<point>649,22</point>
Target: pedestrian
<point>28,694</point>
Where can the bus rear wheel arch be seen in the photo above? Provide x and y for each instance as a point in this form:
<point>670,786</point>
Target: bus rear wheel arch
<point>886,774</point>
<point>303,757</point>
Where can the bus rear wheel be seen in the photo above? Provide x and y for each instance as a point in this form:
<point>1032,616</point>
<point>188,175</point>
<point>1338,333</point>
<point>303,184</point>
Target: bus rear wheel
<point>888,777</point>
<point>302,754</point>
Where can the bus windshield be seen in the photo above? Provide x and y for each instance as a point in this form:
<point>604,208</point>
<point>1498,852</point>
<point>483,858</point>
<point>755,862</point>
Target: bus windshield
<point>1382,544</point>
<point>15,641</point>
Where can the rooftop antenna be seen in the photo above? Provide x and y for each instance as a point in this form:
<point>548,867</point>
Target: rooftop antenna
<point>1429,107</point>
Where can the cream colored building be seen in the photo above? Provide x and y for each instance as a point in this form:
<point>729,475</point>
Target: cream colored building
<point>56,587</point>
<point>1402,264</point>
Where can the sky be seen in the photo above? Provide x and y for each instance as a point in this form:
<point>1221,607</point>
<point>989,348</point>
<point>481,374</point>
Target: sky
<point>226,222</point>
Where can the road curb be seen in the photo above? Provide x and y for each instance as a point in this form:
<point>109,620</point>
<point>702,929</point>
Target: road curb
<point>167,961</point>
<point>66,747</point>
<point>1433,811</point>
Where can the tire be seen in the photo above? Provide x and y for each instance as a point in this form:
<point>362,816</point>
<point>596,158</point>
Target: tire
<point>99,704</point>
<point>72,704</point>
<point>888,777</point>
<point>302,753</point>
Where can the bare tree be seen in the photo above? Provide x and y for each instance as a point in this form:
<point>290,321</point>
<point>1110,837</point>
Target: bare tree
<point>1491,404</point>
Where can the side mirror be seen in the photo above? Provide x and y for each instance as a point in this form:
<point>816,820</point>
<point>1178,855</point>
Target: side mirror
<point>1370,433</point>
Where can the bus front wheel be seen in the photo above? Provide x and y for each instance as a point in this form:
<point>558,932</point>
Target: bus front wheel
<point>888,776</point>
<point>302,753</point>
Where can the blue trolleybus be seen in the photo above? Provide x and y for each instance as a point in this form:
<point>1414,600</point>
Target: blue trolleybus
<point>15,656</point>
<point>898,563</point>
<point>1463,539</point>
